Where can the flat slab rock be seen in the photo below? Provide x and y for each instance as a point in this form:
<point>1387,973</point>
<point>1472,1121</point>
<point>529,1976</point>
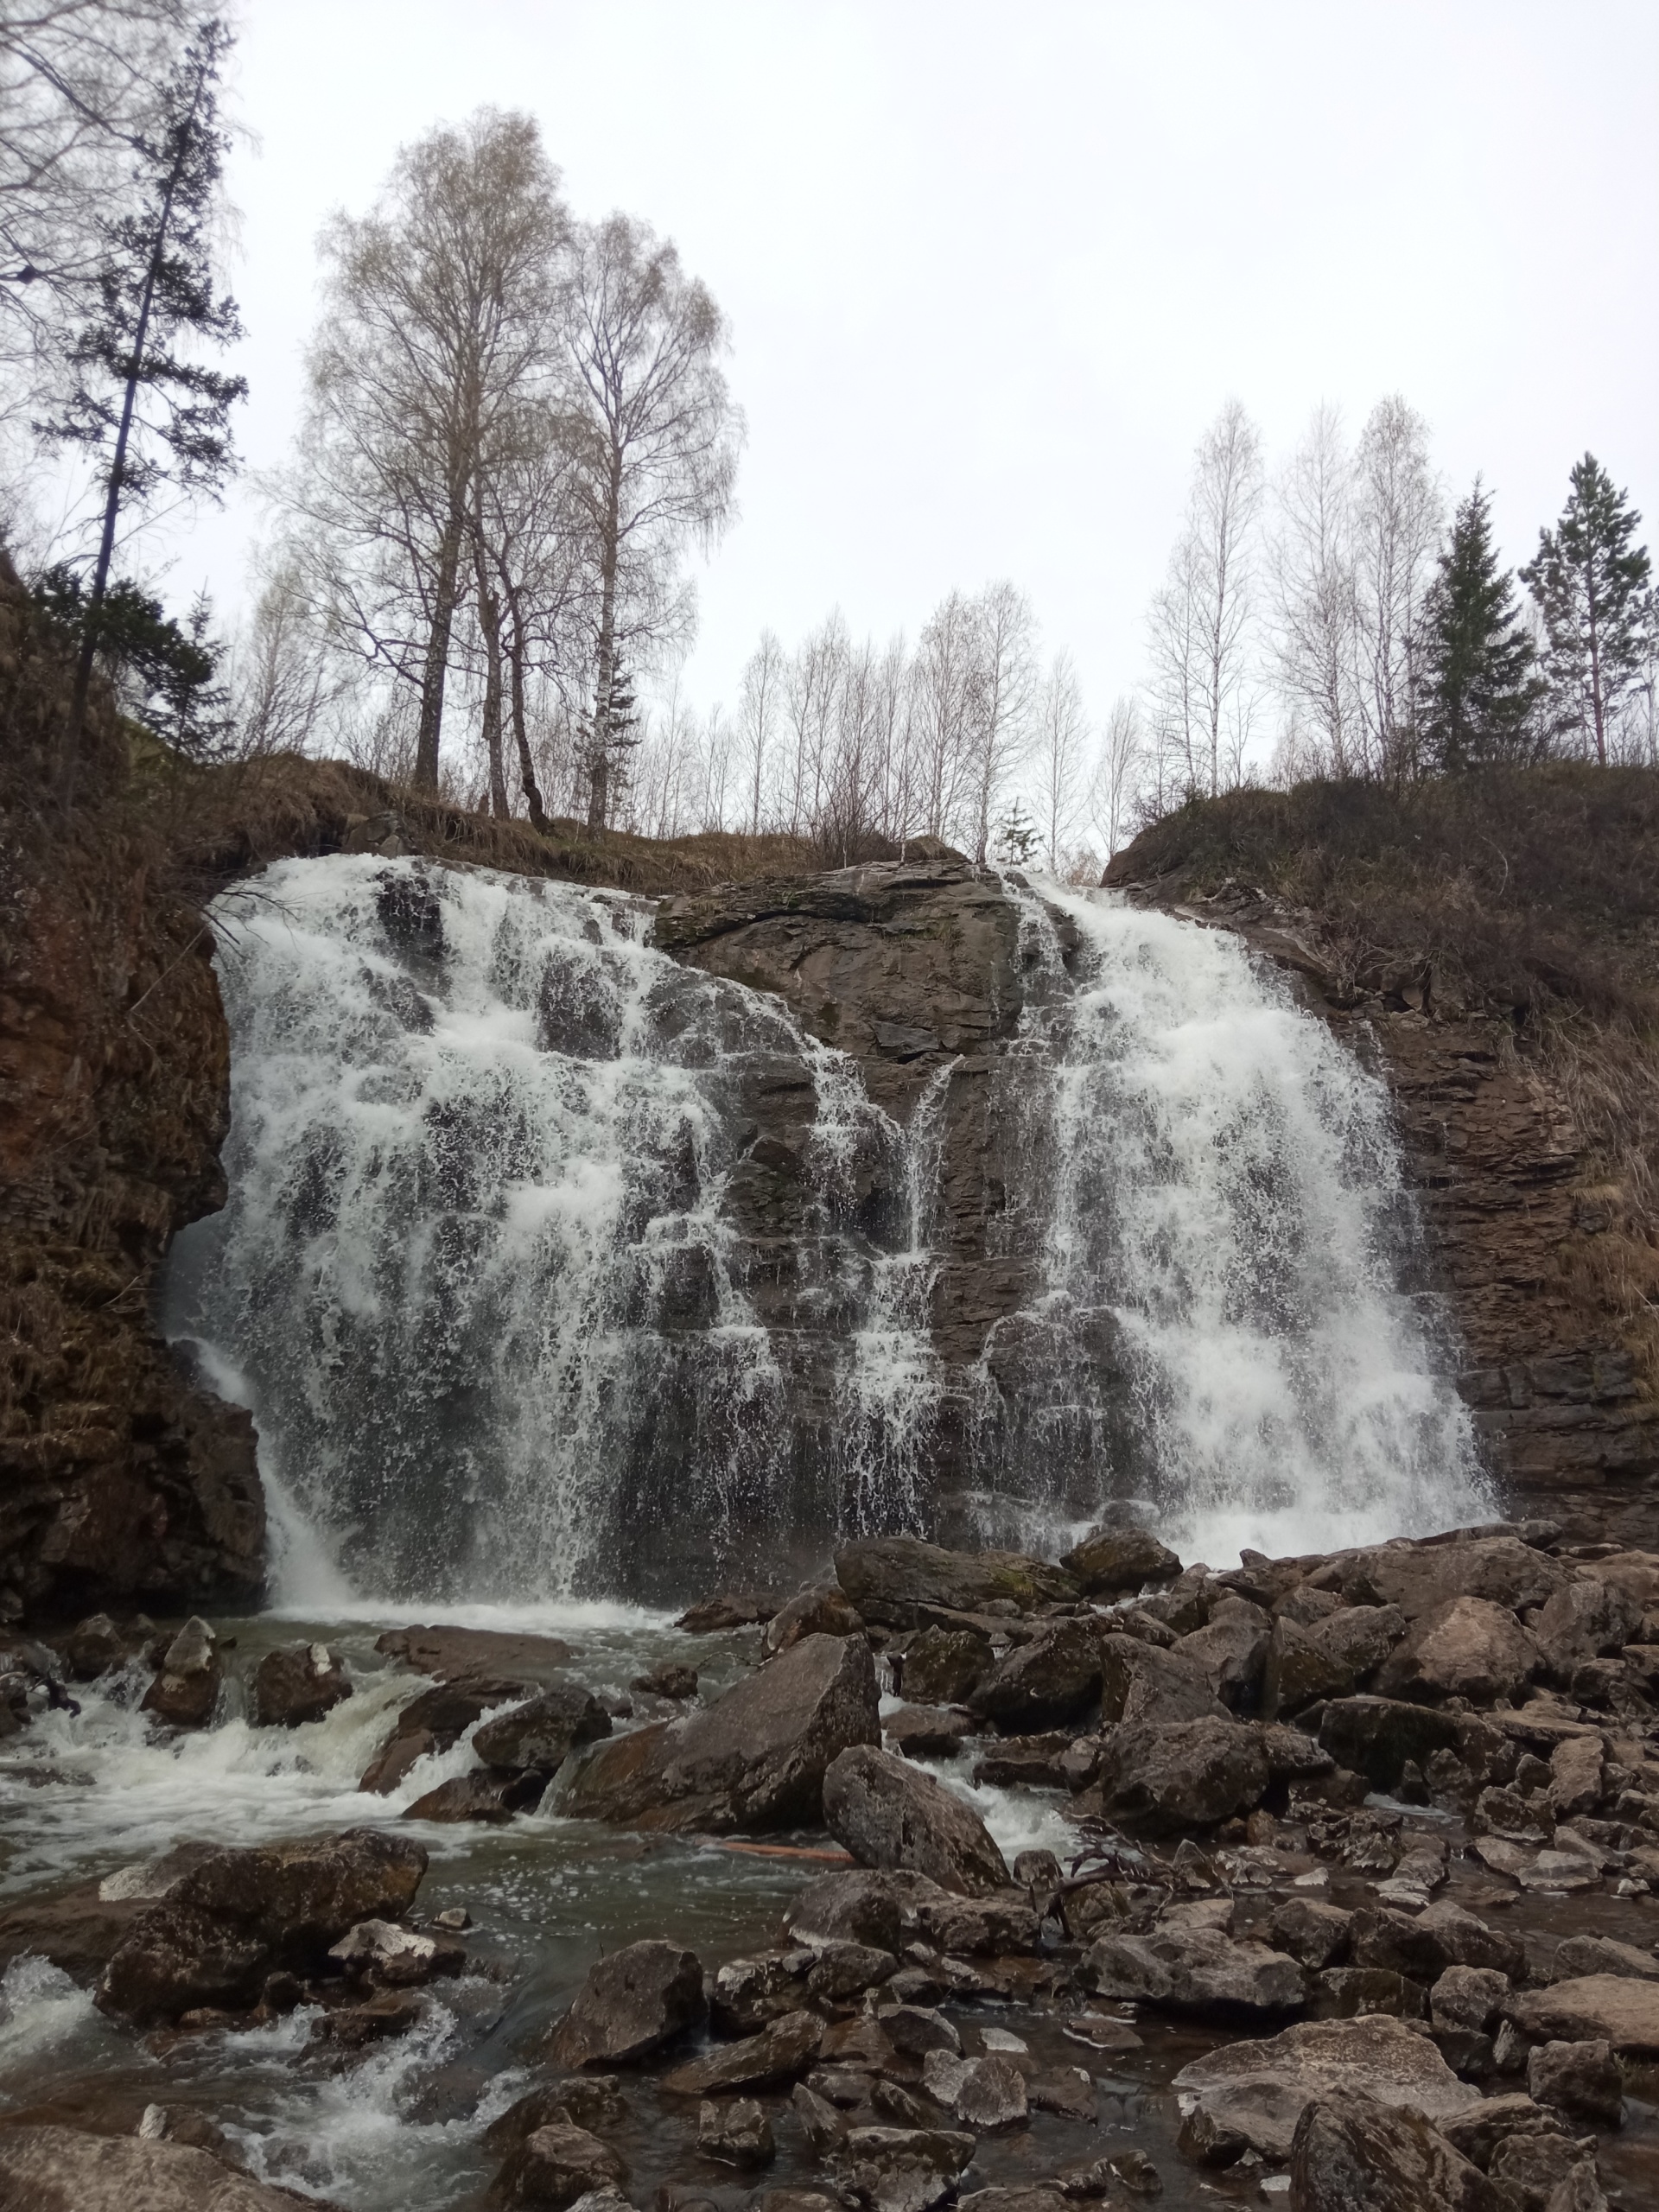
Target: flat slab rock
<point>1598,2007</point>
<point>449,1654</point>
<point>1260,2090</point>
<point>62,2170</point>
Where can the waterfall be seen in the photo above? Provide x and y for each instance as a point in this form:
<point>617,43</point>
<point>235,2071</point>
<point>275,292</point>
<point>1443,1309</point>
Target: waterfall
<point>1227,1323</point>
<point>553,1267</point>
<point>479,1277</point>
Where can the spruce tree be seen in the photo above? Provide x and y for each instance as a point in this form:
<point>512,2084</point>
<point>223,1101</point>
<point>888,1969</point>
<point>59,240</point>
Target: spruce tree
<point>1480,686</point>
<point>1590,587</point>
<point>162,418</point>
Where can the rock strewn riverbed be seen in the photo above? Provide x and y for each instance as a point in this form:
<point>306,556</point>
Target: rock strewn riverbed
<point>1352,1894</point>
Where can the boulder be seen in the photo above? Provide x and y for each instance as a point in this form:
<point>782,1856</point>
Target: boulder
<point>841,1972</point>
<point>993,1926</point>
<point>737,2134</point>
<point>542,1733</point>
<point>1358,1639</point>
<point>296,1683</point>
<point>1476,2131</point>
<point>891,1814</point>
<point>824,1612</point>
<point>1053,1678</point>
<point>1616,2009</point>
<point>1351,1993</point>
<point>748,1992</point>
<point>554,2165</point>
<point>901,2169</point>
<point>1376,1736</point>
<point>727,1609</point>
<point>1140,1683</point>
<point>781,2052</point>
<point>1197,1970</point>
<point>633,2001</point>
<point>1469,1999</point>
<point>1158,1780</point>
<point>1466,1647</point>
<point>928,1731</point>
<point>1537,2173</point>
<point>396,1958</point>
<point>186,1690</point>
<point>480,1795</point>
<point>1261,2090</point>
<point>1580,1955</point>
<point>1357,2155</point>
<point>1576,1770</point>
<point>876,1909</point>
<point>237,1914</point>
<point>63,2170</point>
<point>1230,1652</point>
<point>93,1648</point>
<point>1583,2079</point>
<point>1585,1619</point>
<point>1029,1762</point>
<point>394,1761</point>
<point>889,1580</point>
<point>1295,1671</point>
<point>449,1654</point>
<point>591,2101</point>
<point>1424,1944</point>
<point>1110,1561</point>
<point>1418,1577</point>
<point>1316,1934</point>
<point>753,1759</point>
<point>666,1678</point>
<point>986,2094</point>
<point>941,1665</point>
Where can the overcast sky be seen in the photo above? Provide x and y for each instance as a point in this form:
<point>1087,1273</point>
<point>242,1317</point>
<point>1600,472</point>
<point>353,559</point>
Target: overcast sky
<point>991,270</point>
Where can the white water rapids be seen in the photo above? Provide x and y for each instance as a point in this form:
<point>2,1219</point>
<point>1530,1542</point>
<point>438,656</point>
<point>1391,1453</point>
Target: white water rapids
<point>482,1278</point>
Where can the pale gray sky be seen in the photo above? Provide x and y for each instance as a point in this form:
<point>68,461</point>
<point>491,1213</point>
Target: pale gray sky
<point>992,269</point>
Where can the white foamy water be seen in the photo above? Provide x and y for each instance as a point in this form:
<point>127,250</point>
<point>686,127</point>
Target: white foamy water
<point>1225,1191</point>
<point>478,1280</point>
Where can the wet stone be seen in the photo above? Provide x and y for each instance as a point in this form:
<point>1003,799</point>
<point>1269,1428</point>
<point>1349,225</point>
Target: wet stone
<point>736,2133</point>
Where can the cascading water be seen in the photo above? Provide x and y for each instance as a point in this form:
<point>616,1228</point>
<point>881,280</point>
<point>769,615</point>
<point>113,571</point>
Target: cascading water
<point>1224,1234</point>
<point>554,1267</point>
<point>479,1277</point>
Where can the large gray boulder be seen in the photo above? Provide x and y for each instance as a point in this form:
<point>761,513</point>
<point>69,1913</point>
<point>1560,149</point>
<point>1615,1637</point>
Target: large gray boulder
<point>781,2052</point>
<point>1466,1647</point>
<point>1054,1677</point>
<point>633,2001</point>
<point>1230,1652</point>
<point>753,1759</point>
<point>186,1690</point>
<point>1259,2089</point>
<point>1141,1683</point>
<point>901,2169</point>
<point>556,2165</point>
<point>890,1814</point>
<point>1585,1619</point>
<point>1423,1945</point>
<point>941,1665</point>
<point>62,2170</point>
<point>1616,2009</point>
<point>1354,2154</point>
<point>1111,1560</point>
<point>1418,1577</point>
<point>1199,1970</point>
<point>1159,1780</point>
<point>891,1579</point>
<point>542,1733</point>
<point>235,1915</point>
<point>295,1683</point>
<point>1376,1736</point>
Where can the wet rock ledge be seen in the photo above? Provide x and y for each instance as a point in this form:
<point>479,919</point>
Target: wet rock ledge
<point>1356,1861</point>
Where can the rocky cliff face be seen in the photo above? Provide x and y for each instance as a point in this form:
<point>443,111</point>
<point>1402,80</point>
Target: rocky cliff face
<point>118,1480</point>
<point>1516,1216</point>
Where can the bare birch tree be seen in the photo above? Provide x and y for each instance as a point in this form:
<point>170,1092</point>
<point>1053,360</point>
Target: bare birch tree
<point>438,320</point>
<point>1314,597</point>
<point>657,435</point>
<point>759,705</point>
<point>1004,690</point>
<point>1059,755</point>
<point>1203,618</point>
<point>1116,780</point>
<point>1398,514</point>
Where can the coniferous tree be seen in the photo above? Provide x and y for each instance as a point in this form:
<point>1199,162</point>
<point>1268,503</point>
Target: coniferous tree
<point>1480,684</point>
<point>1590,587</point>
<point>162,418</point>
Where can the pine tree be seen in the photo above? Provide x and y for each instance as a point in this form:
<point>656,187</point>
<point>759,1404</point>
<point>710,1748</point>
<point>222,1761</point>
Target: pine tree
<point>1480,688</point>
<point>1590,587</point>
<point>163,419</point>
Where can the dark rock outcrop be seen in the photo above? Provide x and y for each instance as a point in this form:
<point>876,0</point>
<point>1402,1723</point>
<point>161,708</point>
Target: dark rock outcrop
<point>891,1814</point>
<point>63,2170</point>
<point>633,2003</point>
<point>755,1758</point>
